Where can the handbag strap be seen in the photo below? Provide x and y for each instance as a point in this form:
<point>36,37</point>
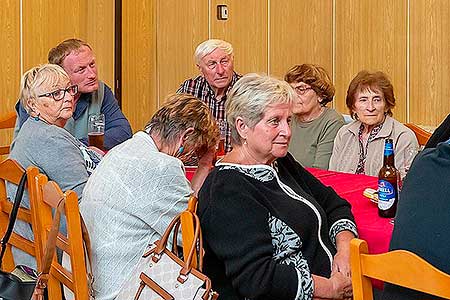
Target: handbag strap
<point>87,247</point>
<point>162,243</point>
<point>49,252</point>
<point>13,215</point>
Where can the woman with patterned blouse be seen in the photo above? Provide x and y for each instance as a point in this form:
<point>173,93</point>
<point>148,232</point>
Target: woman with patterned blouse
<point>271,230</point>
<point>358,146</point>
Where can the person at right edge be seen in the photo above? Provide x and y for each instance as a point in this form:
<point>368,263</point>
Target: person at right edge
<point>423,215</point>
<point>441,134</point>
<point>271,229</point>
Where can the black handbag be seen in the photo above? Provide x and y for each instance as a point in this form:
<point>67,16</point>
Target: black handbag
<point>20,283</point>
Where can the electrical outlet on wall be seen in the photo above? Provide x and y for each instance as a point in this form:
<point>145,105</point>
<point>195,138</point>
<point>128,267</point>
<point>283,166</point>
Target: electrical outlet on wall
<point>222,12</point>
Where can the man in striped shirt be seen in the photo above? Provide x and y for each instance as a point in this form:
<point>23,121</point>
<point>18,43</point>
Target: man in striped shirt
<point>215,61</point>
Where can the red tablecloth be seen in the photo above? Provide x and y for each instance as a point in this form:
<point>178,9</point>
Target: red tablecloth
<point>375,230</point>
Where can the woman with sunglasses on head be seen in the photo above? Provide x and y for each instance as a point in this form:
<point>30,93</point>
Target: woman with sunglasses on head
<point>315,125</point>
<point>47,95</point>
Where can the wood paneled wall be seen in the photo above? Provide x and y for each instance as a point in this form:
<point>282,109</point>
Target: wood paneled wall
<point>429,99</point>
<point>300,32</point>
<point>10,66</point>
<point>371,35</point>
<point>44,24</point>
<point>408,40</point>
<point>246,29</point>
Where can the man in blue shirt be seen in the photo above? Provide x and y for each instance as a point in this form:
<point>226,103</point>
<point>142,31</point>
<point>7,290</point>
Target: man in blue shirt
<point>77,59</point>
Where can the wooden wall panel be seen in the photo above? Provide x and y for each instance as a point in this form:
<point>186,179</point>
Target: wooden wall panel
<point>181,26</point>
<point>246,29</point>
<point>92,21</point>
<point>371,35</point>
<point>430,61</point>
<point>139,97</point>
<point>42,29</point>
<point>300,32</point>
<point>100,35</point>
<point>10,66</point>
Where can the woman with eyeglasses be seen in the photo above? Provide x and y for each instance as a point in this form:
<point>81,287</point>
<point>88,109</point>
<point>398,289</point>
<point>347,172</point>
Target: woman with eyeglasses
<point>47,95</point>
<point>315,125</point>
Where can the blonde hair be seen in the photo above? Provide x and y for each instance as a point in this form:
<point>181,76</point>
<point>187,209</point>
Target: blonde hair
<point>180,112</point>
<point>32,81</point>
<point>250,97</point>
<point>209,46</point>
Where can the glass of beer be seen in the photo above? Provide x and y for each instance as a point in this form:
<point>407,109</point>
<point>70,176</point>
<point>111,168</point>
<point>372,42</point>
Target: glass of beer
<point>220,150</point>
<point>96,130</point>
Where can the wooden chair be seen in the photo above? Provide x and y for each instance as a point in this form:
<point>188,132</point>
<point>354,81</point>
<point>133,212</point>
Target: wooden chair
<point>74,244</point>
<point>11,171</point>
<point>187,231</point>
<point>399,267</point>
<point>7,121</point>
<point>421,134</point>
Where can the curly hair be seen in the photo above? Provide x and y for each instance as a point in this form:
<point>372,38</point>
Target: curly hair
<point>180,112</point>
<point>316,77</point>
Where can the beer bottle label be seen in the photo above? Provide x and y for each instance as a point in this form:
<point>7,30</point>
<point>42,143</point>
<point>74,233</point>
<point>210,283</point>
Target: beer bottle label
<point>386,195</point>
<point>388,149</point>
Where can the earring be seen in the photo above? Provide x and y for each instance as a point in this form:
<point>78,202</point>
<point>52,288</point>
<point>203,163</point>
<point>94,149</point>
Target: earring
<point>245,142</point>
<point>37,117</point>
<point>180,151</point>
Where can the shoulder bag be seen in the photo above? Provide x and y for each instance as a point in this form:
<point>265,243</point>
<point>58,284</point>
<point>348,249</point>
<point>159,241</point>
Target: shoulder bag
<point>160,274</point>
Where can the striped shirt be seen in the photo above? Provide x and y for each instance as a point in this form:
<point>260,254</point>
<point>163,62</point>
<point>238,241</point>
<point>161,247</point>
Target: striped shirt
<point>200,88</point>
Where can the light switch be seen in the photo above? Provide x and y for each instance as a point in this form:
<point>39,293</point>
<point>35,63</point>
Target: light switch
<point>222,12</point>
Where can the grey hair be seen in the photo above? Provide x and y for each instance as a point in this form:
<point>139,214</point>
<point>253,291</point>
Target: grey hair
<point>250,97</point>
<point>209,46</point>
<point>32,81</point>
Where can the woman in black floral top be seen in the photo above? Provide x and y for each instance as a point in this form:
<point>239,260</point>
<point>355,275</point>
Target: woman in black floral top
<point>271,230</point>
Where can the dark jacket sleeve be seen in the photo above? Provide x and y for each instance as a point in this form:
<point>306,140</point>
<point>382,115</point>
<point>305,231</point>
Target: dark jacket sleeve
<point>235,227</point>
<point>337,209</point>
<point>22,116</point>
<point>441,134</point>
<point>117,127</point>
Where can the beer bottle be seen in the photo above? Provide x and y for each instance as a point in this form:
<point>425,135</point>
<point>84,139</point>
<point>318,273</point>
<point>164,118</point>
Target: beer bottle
<point>387,183</point>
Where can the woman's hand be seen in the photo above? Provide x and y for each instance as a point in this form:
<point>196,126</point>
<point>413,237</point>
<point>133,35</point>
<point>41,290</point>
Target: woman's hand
<point>206,160</point>
<point>342,286</point>
<point>338,286</point>
<point>341,261</point>
<point>204,166</point>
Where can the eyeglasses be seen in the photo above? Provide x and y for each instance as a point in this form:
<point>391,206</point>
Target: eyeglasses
<point>61,93</point>
<point>213,64</point>
<point>301,90</point>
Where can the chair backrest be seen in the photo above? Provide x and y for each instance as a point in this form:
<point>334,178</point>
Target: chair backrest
<point>187,231</point>
<point>75,276</point>
<point>399,267</point>
<point>11,171</point>
<point>421,134</point>
<point>7,121</point>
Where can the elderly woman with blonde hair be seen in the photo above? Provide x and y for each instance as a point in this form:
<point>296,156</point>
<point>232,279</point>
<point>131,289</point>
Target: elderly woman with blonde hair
<point>47,95</point>
<point>140,186</point>
<point>271,229</point>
